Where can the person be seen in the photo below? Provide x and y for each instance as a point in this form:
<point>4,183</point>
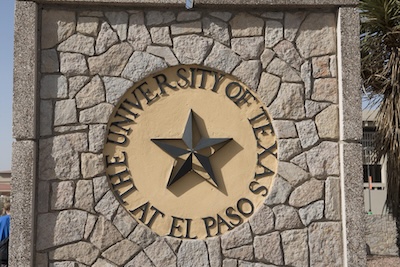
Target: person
<point>4,234</point>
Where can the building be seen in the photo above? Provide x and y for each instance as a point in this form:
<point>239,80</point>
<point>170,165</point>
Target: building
<point>5,179</point>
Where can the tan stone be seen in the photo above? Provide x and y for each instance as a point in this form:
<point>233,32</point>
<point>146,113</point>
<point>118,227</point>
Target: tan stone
<point>106,38</point>
<point>91,94</point>
<point>65,112</point>
<point>62,195</point>
<point>186,28</point>
<point>160,35</point>
<point>268,88</point>
<point>57,26</point>
<point>273,33</point>
<point>78,43</point>
<point>244,24</point>
<point>138,35</point>
<point>88,25</point>
<point>92,164</point>
<point>121,252</point>
<point>216,29</point>
<point>327,122</point>
<point>191,49</point>
<point>81,251</point>
<point>308,192</point>
<point>325,90</point>
<point>267,248</point>
<point>321,67</point>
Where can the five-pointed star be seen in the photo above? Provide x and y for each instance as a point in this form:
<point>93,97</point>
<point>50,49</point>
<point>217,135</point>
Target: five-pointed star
<point>192,152</point>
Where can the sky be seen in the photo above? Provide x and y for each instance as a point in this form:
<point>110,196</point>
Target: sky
<point>6,81</point>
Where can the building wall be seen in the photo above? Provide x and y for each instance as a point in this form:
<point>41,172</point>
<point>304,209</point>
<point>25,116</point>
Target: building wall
<point>89,56</point>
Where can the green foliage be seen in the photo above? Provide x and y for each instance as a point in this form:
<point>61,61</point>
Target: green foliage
<point>380,69</point>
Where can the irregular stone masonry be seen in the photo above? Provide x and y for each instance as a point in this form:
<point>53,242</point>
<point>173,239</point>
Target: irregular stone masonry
<point>90,58</point>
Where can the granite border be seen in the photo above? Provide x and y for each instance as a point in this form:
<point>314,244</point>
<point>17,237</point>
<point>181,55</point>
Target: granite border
<point>350,136</point>
<point>256,3</point>
<point>22,203</point>
<point>25,75</point>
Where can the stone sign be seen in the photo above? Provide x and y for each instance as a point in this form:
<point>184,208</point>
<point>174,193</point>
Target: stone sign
<point>151,135</point>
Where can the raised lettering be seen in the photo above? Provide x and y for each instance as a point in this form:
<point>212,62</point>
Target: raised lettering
<point>257,190</point>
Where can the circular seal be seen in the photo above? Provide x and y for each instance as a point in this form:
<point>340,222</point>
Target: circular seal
<point>190,152</point>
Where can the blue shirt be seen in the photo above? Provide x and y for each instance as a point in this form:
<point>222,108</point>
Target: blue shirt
<point>4,227</point>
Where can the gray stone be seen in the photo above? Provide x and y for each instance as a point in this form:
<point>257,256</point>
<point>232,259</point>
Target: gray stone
<point>289,104</point>
<point>43,197</point>
<point>216,29</point>
<point>292,173</point>
<point>307,133</point>
<point>112,62</point>
<point>78,43</point>
<point>186,28</point>
<point>158,17</point>
<point>100,187</point>
<point>222,58</point>
<point>124,222</point>
<point>163,52</point>
<point>57,26</point>
<point>243,253</point>
<point>325,241</point>
<point>90,223</point>
<point>161,36</point>
<point>316,35</point>
<point>106,38</point>
<point>91,94</point>
<point>301,161</point>
<point>325,90</point>
<point>214,251</point>
<point>249,73</point>
<point>76,83</point>
<point>46,117</point>
<point>104,234</point>
<point>321,68</point>
<point>229,263</point>
<point>324,159</point>
<point>279,192</point>
<point>107,206</point>
<point>333,65</point>
<point>244,24</point>
<point>313,108</point>
<point>193,253</point>
<point>72,64</point>
<point>305,73</point>
<point>161,254</point>
<point>52,230</point>
<point>115,87</point>
<point>380,234</point>
<point>267,248</point>
<point>280,68</point>
<point>119,22</point>
<point>238,237</point>
<point>140,260</point>
<point>121,252</point>
<point>268,87</point>
<point>103,263</point>
<point>42,259</point>
<point>284,129</point>
<point>97,114</point>
<point>288,148</point>
<point>62,195</point>
<point>295,247</point>
<point>312,212</point>
<point>142,236</point>
<point>225,16</point>
<point>332,199</point>
<point>49,61</point>
<point>188,16</point>
<point>84,195</point>
<point>272,15</point>
<point>286,51</point>
<point>138,35</point>
<point>292,23</point>
<point>66,264</point>
<point>273,33</point>
<point>83,252</point>
<point>53,86</point>
<point>59,156</point>
<point>173,242</point>
<point>327,122</point>
<point>307,193</point>
<point>70,128</point>
<point>91,164</point>
<point>97,134</point>
<point>248,47</point>
<point>266,57</point>
<point>286,217</point>
<point>191,49</point>
<point>65,112</point>
<point>88,26</point>
<point>142,64</point>
<point>262,221</point>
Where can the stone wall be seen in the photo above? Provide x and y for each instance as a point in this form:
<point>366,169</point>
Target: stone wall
<point>380,232</point>
<point>90,56</point>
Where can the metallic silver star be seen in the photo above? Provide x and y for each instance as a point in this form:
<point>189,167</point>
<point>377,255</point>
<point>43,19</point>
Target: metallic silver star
<point>192,152</point>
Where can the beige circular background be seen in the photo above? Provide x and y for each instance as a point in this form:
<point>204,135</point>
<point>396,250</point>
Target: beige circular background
<point>191,197</point>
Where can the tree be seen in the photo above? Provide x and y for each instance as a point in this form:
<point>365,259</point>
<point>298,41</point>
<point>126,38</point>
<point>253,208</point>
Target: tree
<point>380,70</point>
